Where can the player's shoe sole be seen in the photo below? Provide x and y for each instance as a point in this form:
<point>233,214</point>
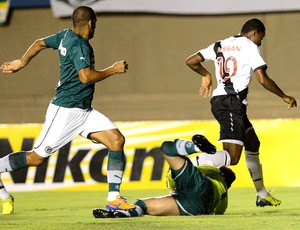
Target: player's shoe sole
<point>119,203</point>
<point>101,213</point>
<point>7,205</point>
<point>203,144</point>
<point>268,201</point>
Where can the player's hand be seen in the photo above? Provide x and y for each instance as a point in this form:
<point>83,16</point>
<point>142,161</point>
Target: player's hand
<point>120,67</point>
<point>290,101</point>
<point>206,86</point>
<point>12,67</point>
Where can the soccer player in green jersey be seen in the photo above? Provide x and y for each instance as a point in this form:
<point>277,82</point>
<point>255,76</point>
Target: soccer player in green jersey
<point>194,190</point>
<point>70,113</point>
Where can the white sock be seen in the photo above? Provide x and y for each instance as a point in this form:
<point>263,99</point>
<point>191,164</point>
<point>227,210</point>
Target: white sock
<point>220,158</point>
<point>124,212</point>
<point>112,195</point>
<point>3,193</point>
<point>114,178</point>
<point>185,147</point>
<point>4,164</point>
<point>255,169</point>
<point>138,211</point>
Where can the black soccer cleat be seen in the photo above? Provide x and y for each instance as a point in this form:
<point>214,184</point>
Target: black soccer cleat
<point>102,213</point>
<point>203,144</point>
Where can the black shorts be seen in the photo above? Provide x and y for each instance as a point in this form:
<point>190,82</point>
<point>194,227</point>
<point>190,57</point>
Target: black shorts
<point>231,114</point>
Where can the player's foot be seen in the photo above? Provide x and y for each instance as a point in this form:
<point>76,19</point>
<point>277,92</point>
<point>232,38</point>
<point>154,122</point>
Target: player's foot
<point>101,213</point>
<point>203,144</point>
<point>119,203</point>
<point>268,201</point>
<point>7,205</point>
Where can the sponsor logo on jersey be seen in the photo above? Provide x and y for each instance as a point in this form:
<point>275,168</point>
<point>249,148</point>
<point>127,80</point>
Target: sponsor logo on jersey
<point>229,48</point>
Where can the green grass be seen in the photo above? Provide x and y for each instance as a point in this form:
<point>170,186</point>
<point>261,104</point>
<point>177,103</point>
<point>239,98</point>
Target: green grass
<point>73,210</point>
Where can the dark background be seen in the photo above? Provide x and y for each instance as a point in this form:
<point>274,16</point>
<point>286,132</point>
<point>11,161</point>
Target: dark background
<point>158,84</point>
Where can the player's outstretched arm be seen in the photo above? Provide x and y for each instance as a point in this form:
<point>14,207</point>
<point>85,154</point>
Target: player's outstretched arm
<point>16,65</point>
<point>194,62</point>
<point>90,75</point>
<point>270,85</point>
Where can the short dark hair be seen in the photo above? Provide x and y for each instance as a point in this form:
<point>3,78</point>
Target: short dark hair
<point>253,24</point>
<point>228,174</point>
<point>82,14</point>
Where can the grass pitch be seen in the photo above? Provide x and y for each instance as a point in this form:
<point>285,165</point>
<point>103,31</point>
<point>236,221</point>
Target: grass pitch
<point>73,210</point>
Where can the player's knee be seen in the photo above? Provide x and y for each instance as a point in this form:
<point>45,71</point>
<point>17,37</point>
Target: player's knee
<point>234,157</point>
<point>252,142</point>
<point>118,141</point>
<point>234,160</point>
<point>33,159</point>
<point>252,146</point>
<point>168,148</point>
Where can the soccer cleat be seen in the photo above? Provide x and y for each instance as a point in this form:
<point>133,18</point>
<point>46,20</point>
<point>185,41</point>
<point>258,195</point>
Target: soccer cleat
<point>7,205</point>
<point>268,201</point>
<point>119,203</point>
<point>203,144</point>
<point>101,213</point>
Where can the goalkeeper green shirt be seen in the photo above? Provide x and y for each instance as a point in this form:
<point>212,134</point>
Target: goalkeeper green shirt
<point>75,53</point>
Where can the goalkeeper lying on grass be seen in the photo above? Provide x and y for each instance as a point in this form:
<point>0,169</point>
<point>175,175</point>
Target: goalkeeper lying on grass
<point>194,190</point>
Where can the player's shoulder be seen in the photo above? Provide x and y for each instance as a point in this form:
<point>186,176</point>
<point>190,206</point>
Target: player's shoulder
<point>246,42</point>
<point>63,32</point>
<point>74,39</point>
<point>238,39</point>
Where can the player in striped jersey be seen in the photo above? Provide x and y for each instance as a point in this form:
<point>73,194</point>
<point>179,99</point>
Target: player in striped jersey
<point>235,59</point>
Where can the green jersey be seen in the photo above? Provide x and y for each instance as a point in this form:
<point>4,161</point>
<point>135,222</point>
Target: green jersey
<point>215,192</point>
<point>75,53</point>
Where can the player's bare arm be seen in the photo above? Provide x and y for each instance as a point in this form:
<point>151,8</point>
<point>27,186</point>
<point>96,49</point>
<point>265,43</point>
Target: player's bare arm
<point>16,65</point>
<point>194,62</point>
<point>270,85</point>
<point>90,75</point>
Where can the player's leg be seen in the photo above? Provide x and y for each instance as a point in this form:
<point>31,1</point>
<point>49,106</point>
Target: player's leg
<point>228,111</point>
<point>153,206</point>
<point>114,141</point>
<point>18,160</point>
<point>234,151</point>
<point>12,162</point>
<point>156,206</point>
<point>253,162</point>
<point>6,200</point>
<point>199,144</point>
<point>161,206</point>
<point>171,155</point>
<point>100,129</point>
<point>254,166</point>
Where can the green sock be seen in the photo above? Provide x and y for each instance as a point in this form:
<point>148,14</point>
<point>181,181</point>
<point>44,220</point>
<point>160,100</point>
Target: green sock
<point>140,209</point>
<point>115,169</point>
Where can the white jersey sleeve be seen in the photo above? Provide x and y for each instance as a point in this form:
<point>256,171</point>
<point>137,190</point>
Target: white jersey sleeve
<point>235,59</point>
